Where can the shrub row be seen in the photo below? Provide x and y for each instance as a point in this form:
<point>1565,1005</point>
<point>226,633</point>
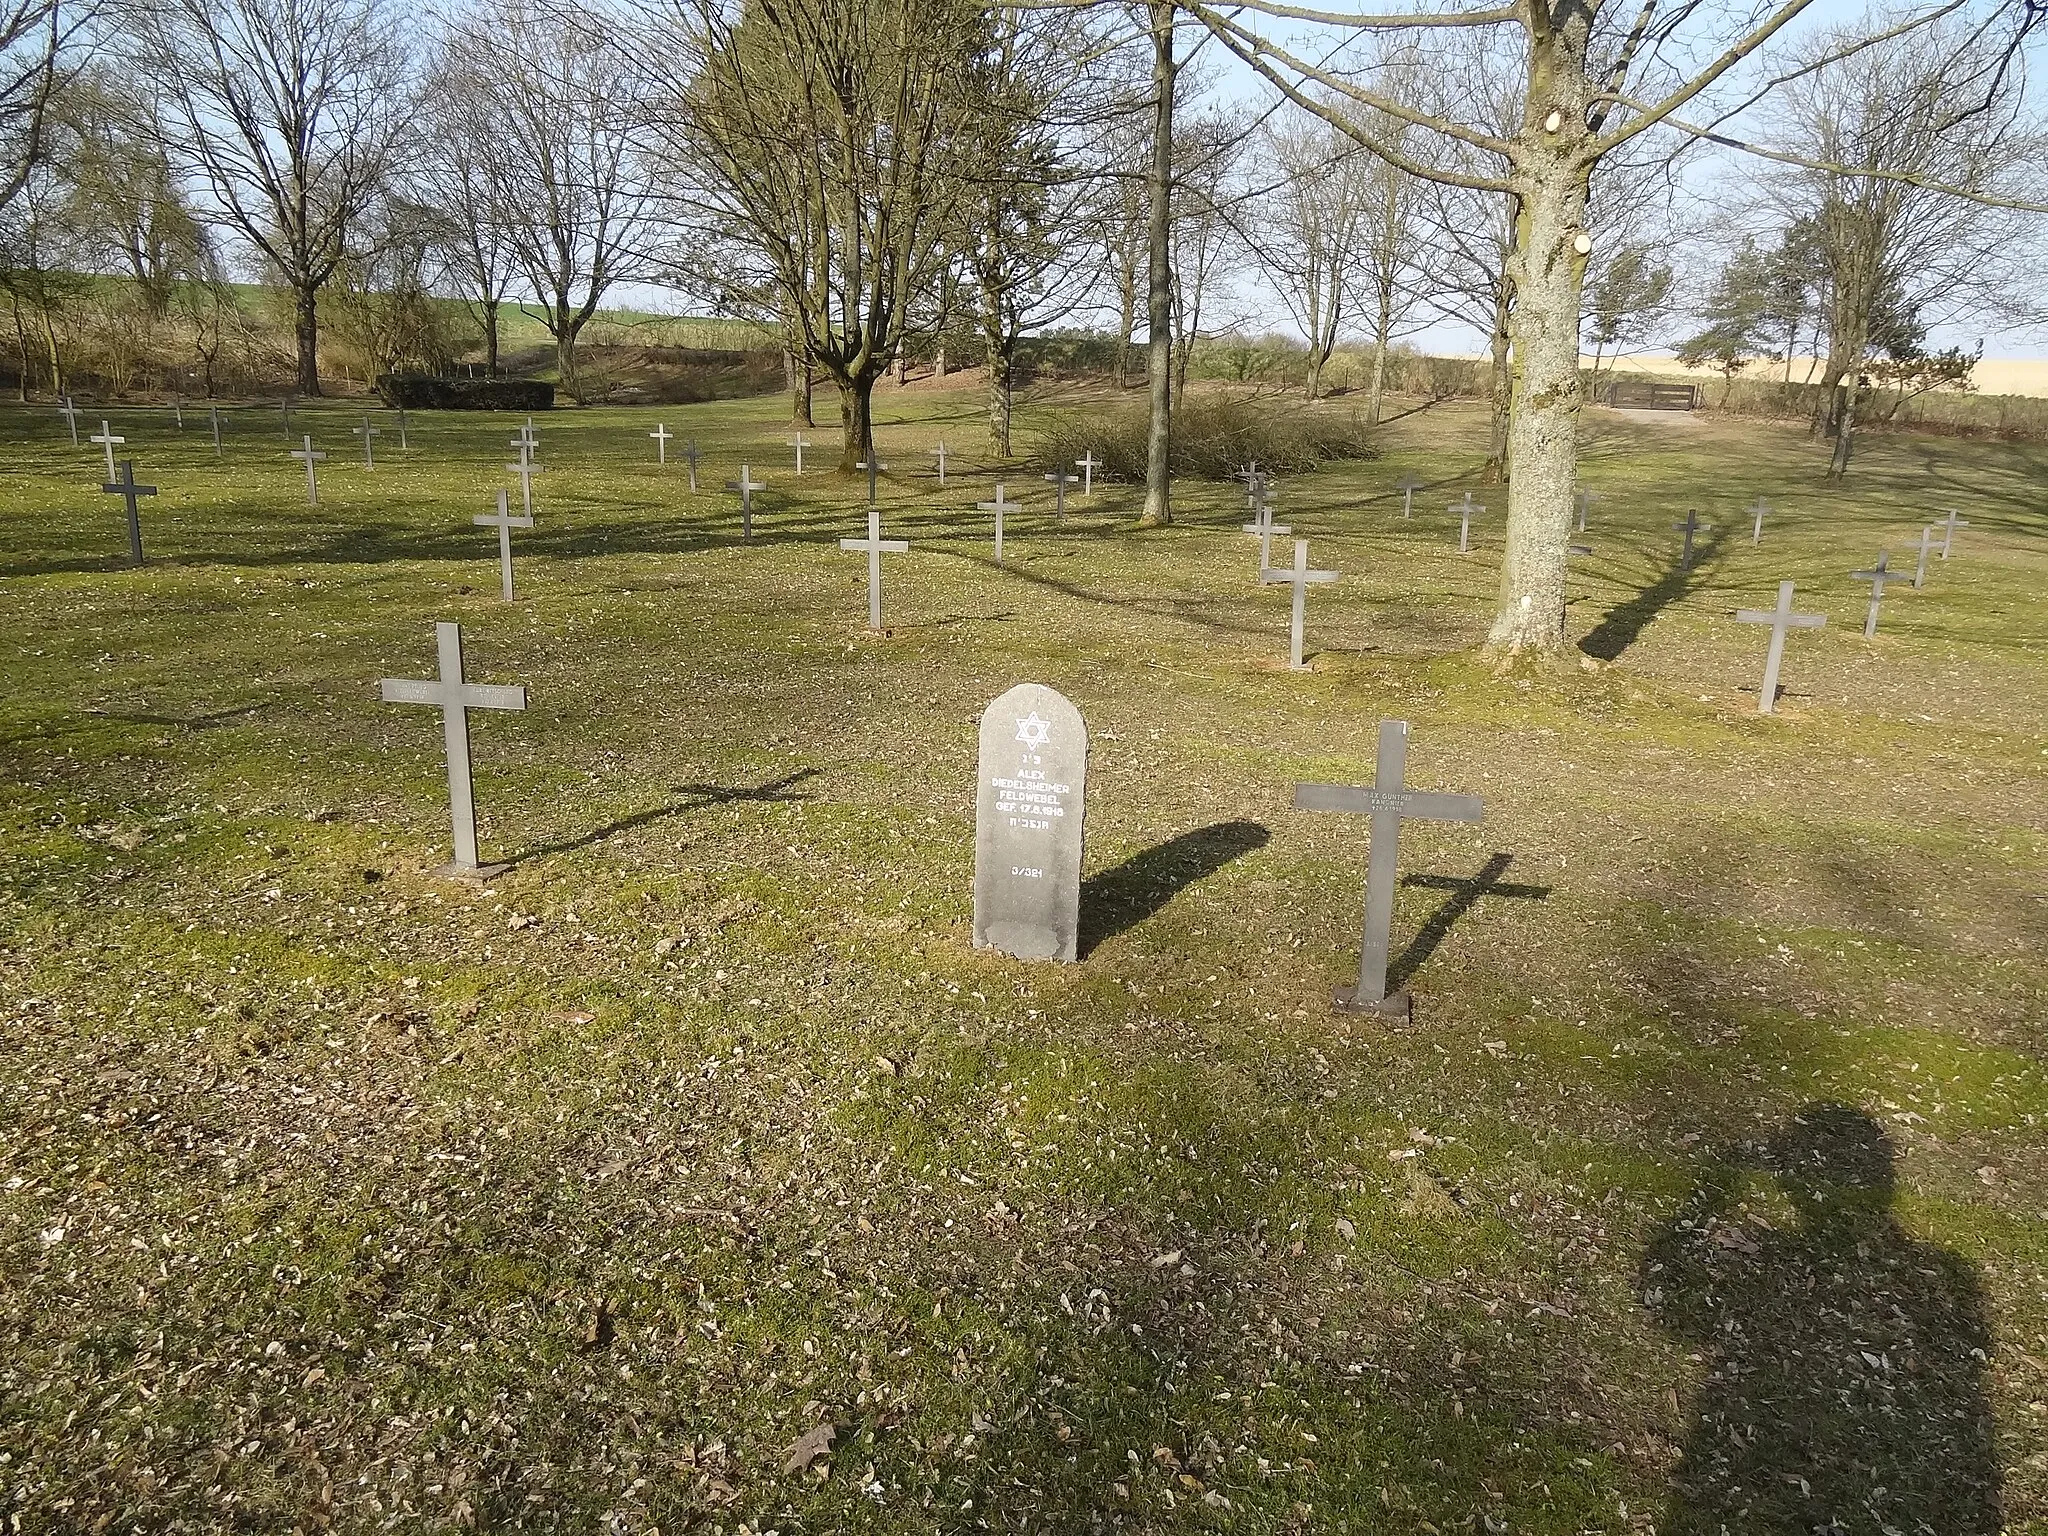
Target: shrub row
<point>1214,436</point>
<point>434,392</point>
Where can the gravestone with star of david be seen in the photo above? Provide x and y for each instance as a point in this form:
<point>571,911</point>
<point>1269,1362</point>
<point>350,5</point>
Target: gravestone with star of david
<point>1029,807</point>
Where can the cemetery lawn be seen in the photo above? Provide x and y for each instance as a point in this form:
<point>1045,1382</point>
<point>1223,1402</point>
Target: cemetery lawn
<point>698,1174</point>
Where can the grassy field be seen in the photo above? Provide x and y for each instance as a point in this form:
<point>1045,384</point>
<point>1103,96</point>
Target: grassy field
<point>697,1174</point>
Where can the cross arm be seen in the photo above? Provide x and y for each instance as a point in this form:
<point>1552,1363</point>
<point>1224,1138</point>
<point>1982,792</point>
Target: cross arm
<point>406,690</point>
<point>1402,802</point>
<point>1771,616</point>
<point>493,696</point>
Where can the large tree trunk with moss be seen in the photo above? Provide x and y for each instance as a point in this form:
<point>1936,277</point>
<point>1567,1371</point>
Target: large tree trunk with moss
<point>491,338</point>
<point>1002,364</point>
<point>1159,273</point>
<point>856,421</point>
<point>1501,386</point>
<point>307,327</point>
<point>1547,274</point>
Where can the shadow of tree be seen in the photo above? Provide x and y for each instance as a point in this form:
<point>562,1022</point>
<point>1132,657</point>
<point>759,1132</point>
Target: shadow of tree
<point>1120,898</point>
<point>1845,1385</point>
<point>1622,624</point>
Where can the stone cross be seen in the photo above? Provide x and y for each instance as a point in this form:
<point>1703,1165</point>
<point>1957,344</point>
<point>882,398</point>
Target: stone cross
<point>126,488</point>
<point>690,454</point>
<point>1059,480</point>
<point>1030,802</point>
<point>1920,570</point>
<point>799,443</point>
<point>999,507</point>
<point>1252,478</point>
<point>746,485</point>
<point>531,437</point>
<point>661,435</point>
<point>1465,509</point>
<point>1262,527</point>
<point>525,469</point>
<point>876,546</point>
<point>874,467</point>
<point>504,522</point>
<point>1586,500</point>
<point>1387,802</point>
<point>1756,533</point>
<point>1691,525</point>
<point>1877,576</point>
<point>1780,618</point>
<point>402,443</point>
<point>178,411</point>
<point>285,405</point>
<point>1299,578</point>
<point>70,413</point>
<point>1948,530</point>
<point>1408,485</point>
<point>312,478</point>
<point>366,432</point>
<point>214,412</point>
<point>105,438</point>
<point>455,699</point>
<point>940,454</point>
<point>1087,464</point>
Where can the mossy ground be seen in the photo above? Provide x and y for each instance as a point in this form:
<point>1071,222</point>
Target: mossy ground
<point>335,1195</point>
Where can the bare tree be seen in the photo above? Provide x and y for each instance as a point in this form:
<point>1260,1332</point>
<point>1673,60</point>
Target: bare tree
<point>286,111</point>
<point>33,37</point>
<point>1208,244</point>
<point>460,184</point>
<point>130,212</point>
<point>1593,77</point>
<point>1311,230</point>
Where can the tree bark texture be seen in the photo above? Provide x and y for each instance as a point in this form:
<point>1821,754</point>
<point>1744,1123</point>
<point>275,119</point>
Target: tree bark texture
<point>1159,273</point>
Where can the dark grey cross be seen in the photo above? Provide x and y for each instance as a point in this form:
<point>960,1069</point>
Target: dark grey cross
<point>1780,618</point>
<point>1756,533</point>
<point>874,466</point>
<point>876,546</point>
<point>940,453</point>
<point>1465,509</point>
<point>1387,802</point>
<point>1300,579</point>
<point>799,443</point>
<point>70,413</point>
<point>999,507</point>
<point>1691,525</point>
<point>126,488</point>
<point>504,522</point>
<point>1920,570</point>
<point>661,435</point>
<point>366,432</point>
<point>1407,485</point>
<point>214,412</point>
<point>1948,530</point>
<point>525,469</point>
<point>690,454</point>
<point>1586,500</point>
<point>1059,480</point>
<point>312,478</point>
<point>455,699</point>
<point>746,485</point>
<point>1088,464</point>
<point>106,438</point>
<point>1877,576</point>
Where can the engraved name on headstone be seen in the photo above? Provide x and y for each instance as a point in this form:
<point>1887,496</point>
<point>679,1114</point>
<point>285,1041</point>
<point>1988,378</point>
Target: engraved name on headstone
<point>1029,810</point>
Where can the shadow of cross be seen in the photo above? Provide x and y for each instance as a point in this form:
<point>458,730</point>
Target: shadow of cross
<point>1466,895</point>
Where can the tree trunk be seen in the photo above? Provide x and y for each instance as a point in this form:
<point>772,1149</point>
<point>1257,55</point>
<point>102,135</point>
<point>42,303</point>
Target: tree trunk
<point>21,343</point>
<point>856,421</point>
<point>308,328</point>
<point>566,330</point>
<point>1159,272</point>
<point>939,361</point>
<point>1376,391</point>
<point>1845,428</point>
<point>1315,376</point>
<point>56,354</point>
<point>1502,392</point>
<point>1001,364</point>
<point>1548,277</point>
<point>491,338</point>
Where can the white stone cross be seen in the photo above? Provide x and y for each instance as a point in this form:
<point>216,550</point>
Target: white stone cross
<point>1691,525</point>
<point>1408,485</point>
<point>1252,479</point>
<point>214,412</point>
<point>799,443</point>
<point>1298,578</point>
<point>1059,480</point>
<point>285,405</point>
<point>178,411</point>
<point>1387,802</point>
<point>876,546</point>
<point>661,435</point>
<point>1756,533</point>
<point>1262,527</point>
<point>312,478</point>
<point>366,432</point>
<point>1465,509</point>
<point>940,453</point>
<point>1920,570</point>
<point>1780,618</point>
<point>1088,464</point>
<point>999,507</point>
<point>455,699</point>
<point>1877,576</point>
<point>402,443</point>
<point>1586,500</point>
<point>531,437</point>
<point>746,485</point>
<point>127,488</point>
<point>105,438</point>
<point>70,413</point>
<point>690,455</point>
<point>1948,530</point>
<point>504,522</point>
<point>525,469</point>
